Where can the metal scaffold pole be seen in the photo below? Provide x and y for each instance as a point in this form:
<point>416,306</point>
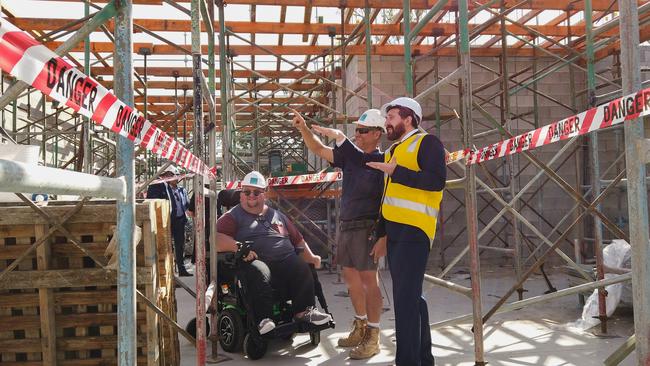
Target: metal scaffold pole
<point>212,155</point>
<point>595,166</point>
<point>199,206</point>
<point>470,181</point>
<point>224,79</point>
<point>366,19</point>
<point>636,147</point>
<point>126,317</point>
<point>408,65</point>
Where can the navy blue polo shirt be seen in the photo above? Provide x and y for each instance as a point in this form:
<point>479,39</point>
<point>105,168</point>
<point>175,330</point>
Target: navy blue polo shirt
<point>362,185</point>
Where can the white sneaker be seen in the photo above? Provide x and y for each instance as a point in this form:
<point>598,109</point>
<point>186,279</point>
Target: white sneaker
<point>265,326</point>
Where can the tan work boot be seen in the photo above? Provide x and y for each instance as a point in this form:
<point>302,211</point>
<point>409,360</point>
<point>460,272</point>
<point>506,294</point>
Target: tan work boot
<point>368,347</point>
<point>356,334</point>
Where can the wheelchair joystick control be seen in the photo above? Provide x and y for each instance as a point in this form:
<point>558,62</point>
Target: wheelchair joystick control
<point>243,249</point>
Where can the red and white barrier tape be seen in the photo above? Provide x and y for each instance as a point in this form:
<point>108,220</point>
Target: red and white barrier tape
<point>605,115</point>
<point>294,180</point>
<point>29,61</point>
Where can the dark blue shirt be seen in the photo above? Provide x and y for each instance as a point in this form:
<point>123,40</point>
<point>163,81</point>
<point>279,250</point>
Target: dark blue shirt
<point>362,185</point>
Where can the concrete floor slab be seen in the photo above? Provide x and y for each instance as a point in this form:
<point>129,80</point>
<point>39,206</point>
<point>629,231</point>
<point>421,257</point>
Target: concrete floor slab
<point>537,335</point>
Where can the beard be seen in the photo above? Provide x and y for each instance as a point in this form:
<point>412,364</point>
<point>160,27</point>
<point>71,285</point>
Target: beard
<point>394,133</point>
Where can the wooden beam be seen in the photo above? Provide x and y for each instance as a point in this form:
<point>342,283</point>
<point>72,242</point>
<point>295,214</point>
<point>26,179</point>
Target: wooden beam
<point>159,84</point>
<point>66,278</point>
<point>306,20</point>
<point>187,72</point>
<point>395,29</point>
<point>398,4</point>
<point>162,99</point>
<point>249,109</point>
<point>46,300</point>
<point>353,50</point>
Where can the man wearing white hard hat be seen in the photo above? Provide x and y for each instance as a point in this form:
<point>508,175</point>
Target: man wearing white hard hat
<point>415,172</point>
<point>360,199</point>
<point>177,197</point>
<point>272,261</point>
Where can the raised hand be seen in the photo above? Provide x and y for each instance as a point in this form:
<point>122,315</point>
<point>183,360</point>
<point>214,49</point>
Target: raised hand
<point>387,168</point>
<point>298,121</point>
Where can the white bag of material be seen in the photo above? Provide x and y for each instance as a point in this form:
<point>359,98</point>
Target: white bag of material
<point>614,255</point>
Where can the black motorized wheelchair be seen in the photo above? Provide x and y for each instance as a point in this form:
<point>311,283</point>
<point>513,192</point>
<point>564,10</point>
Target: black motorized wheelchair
<point>236,323</point>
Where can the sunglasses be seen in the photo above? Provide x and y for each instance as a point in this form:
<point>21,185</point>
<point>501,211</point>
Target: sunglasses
<point>364,130</point>
<point>254,192</point>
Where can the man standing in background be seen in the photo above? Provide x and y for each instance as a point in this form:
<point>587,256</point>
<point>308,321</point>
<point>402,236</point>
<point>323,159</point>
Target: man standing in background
<point>362,190</point>
<point>177,197</point>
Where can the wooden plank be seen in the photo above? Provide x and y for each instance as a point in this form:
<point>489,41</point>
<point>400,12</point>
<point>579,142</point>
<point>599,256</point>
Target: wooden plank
<point>67,278</point>
<point>89,343</point>
<point>46,301</point>
<point>31,322</point>
<point>150,262</point>
<point>57,250</point>
<point>15,230</point>
<point>352,50</point>
<point>89,214</point>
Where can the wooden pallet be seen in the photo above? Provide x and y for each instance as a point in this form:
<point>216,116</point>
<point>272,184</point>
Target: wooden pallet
<point>59,307</point>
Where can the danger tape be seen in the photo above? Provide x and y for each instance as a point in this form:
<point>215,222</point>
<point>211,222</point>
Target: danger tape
<point>295,180</point>
<point>31,62</point>
<point>609,114</point>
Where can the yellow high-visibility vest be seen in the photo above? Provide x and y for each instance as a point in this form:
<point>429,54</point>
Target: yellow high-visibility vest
<point>408,205</point>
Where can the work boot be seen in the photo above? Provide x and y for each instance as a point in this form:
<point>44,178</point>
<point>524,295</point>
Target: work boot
<point>368,347</point>
<point>356,334</point>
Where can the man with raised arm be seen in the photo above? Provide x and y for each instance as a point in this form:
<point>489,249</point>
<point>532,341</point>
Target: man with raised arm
<point>362,191</point>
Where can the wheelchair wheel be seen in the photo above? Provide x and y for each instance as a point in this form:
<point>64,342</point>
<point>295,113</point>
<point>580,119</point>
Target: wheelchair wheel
<point>191,327</point>
<point>314,338</point>
<point>231,330</point>
<point>254,347</point>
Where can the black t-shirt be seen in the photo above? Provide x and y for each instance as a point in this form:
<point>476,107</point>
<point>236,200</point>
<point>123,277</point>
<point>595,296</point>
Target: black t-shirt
<point>362,185</point>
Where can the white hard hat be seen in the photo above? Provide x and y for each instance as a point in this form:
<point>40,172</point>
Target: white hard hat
<point>409,103</point>
<point>254,179</point>
<point>172,169</point>
<point>372,118</point>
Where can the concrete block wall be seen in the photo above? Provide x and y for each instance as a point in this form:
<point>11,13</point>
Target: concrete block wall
<point>550,200</point>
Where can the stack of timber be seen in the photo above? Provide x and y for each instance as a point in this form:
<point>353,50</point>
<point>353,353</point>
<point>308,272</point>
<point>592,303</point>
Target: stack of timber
<point>58,305</point>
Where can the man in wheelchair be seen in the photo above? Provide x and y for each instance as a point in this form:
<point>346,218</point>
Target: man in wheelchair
<point>272,262</point>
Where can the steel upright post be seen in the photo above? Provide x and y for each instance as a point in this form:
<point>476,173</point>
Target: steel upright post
<point>408,70</point>
<point>199,212</point>
<point>226,159</point>
<point>366,16</point>
<point>470,181</point>
<point>595,165</point>
<point>510,160</point>
<point>87,126</point>
<point>637,196</point>
<point>123,85</point>
<point>212,152</point>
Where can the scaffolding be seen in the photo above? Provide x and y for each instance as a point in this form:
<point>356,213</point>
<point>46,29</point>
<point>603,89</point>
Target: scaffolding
<point>504,206</point>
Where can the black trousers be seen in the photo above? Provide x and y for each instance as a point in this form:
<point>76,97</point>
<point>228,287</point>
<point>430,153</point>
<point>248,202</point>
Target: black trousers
<point>407,262</point>
<point>290,277</point>
<point>178,234</point>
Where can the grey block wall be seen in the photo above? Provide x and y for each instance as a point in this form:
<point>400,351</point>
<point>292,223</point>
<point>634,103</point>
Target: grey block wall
<point>550,200</point>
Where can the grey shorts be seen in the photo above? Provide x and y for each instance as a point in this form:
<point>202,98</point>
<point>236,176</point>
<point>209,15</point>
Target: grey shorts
<point>354,247</point>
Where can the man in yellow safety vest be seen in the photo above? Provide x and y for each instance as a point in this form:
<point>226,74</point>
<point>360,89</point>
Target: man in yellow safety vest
<point>415,173</point>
